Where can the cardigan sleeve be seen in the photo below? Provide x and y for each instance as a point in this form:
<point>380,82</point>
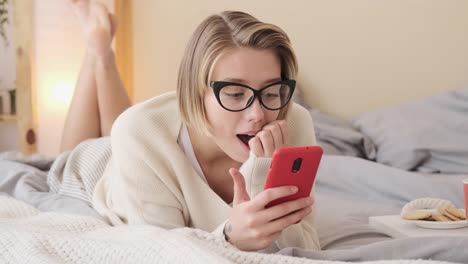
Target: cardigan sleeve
<point>255,169</point>
<point>139,187</point>
<point>133,182</point>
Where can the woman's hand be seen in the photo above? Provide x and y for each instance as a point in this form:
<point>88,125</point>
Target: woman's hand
<point>272,136</point>
<point>251,226</point>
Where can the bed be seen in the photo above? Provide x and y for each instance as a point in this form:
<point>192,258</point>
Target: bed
<point>369,169</point>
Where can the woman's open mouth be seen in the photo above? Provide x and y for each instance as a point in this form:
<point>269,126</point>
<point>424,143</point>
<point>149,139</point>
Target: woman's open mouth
<point>244,138</point>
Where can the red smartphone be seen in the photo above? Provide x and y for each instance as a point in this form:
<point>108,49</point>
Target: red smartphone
<point>295,166</point>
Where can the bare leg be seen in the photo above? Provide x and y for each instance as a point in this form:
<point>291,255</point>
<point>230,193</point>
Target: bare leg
<point>100,96</point>
<point>83,120</point>
<point>112,96</point>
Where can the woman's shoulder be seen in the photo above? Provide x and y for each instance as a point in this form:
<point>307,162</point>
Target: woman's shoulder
<point>298,114</point>
<point>157,114</point>
<point>158,105</point>
<point>300,126</point>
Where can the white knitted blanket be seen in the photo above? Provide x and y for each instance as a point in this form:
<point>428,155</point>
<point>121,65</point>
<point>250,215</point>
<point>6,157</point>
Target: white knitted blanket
<point>30,236</point>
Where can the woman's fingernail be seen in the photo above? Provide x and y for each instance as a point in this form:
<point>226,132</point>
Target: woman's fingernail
<point>294,189</point>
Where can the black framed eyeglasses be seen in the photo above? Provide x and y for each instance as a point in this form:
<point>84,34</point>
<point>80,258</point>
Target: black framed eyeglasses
<point>236,97</point>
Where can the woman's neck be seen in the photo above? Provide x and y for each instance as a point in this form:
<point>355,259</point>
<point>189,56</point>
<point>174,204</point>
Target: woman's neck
<point>207,151</point>
<point>215,165</point>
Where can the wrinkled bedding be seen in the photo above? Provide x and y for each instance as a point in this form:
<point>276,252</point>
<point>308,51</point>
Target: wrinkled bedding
<point>26,182</point>
<point>427,135</point>
<point>29,236</point>
<point>348,191</point>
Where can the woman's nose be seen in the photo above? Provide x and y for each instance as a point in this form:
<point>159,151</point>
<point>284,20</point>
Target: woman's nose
<point>255,111</point>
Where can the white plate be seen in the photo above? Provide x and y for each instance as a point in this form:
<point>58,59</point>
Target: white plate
<point>439,225</point>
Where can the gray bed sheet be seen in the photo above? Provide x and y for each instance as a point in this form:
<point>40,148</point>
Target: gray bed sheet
<point>426,135</point>
<point>337,136</point>
<point>349,190</point>
<point>27,183</point>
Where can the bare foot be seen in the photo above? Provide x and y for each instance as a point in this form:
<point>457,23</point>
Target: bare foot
<point>97,23</point>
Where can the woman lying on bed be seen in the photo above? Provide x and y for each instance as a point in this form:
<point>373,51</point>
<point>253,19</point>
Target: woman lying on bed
<point>198,157</point>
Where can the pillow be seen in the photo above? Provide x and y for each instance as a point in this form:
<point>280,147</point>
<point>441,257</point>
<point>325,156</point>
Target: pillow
<point>337,136</point>
<point>429,135</point>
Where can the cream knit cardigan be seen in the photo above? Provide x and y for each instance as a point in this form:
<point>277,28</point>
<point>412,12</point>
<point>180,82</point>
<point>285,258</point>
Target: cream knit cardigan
<point>149,179</point>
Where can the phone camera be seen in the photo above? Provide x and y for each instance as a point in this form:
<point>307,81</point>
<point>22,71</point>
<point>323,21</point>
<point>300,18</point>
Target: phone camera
<point>297,165</point>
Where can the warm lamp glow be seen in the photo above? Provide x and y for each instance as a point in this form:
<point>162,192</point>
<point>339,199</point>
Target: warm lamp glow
<point>59,92</point>
<point>62,93</point>
<point>55,91</point>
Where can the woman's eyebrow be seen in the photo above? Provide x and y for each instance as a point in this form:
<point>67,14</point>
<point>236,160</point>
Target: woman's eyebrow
<point>237,80</point>
<point>277,79</point>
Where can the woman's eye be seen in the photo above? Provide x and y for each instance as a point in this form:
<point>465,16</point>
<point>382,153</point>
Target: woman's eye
<point>271,95</point>
<point>234,95</point>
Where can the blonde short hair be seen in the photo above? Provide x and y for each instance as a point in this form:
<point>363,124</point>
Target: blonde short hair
<point>215,35</point>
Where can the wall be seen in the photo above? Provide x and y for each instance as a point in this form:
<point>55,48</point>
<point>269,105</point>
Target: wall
<point>354,56</point>
<point>8,130</point>
<point>8,136</point>
<point>7,55</point>
<point>59,48</point>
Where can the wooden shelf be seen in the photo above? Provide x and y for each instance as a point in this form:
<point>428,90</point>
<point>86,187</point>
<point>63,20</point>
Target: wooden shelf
<point>4,117</point>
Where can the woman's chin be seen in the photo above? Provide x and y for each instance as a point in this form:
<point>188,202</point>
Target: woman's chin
<point>239,152</point>
<point>240,156</point>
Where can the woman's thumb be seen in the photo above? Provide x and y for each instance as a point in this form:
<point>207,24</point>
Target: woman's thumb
<point>240,192</point>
